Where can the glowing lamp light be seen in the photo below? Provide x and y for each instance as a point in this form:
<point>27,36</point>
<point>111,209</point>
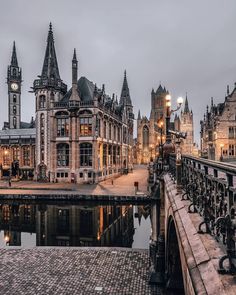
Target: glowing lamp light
<point>7,239</point>
<point>168,103</point>
<point>180,100</point>
<point>168,97</point>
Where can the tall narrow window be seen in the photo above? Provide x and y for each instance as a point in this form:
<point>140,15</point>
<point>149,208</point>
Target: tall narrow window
<point>86,154</point>
<point>145,137</point>
<point>26,156</point>
<point>42,123</point>
<point>86,126</point>
<point>63,155</point>
<point>14,122</point>
<point>14,110</point>
<point>14,98</point>
<point>42,101</point>
<point>62,126</point>
<point>104,155</point>
<point>104,129</point>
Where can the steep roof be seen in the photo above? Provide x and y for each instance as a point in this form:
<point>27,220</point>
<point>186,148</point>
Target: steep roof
<point>14,61</point>
<point>125,96</point>
<point>186,107</point>
<point>50,67</point>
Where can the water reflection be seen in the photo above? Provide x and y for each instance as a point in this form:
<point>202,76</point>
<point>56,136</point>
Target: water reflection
<point>31,225</point>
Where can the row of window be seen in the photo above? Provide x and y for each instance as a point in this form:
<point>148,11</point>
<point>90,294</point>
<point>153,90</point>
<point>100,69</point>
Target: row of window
<point>16,156</point>
<point>111,155</point>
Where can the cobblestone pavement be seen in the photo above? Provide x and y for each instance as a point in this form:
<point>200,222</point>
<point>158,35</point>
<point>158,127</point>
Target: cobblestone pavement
<point>123,185</point>
<point>74,271</point>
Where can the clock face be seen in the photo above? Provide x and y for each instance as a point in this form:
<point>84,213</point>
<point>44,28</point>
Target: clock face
<point>14,86</point>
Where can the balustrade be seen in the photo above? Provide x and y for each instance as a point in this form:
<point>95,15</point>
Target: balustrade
<point>211,189</point>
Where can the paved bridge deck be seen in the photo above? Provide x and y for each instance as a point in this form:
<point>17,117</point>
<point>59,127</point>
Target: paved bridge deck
<point>75,271</point>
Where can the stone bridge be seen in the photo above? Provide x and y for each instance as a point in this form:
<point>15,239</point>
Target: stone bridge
<point>193,238</point>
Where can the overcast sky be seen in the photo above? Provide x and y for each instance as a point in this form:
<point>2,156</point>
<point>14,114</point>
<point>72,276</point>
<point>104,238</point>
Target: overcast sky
<point>187,45</point>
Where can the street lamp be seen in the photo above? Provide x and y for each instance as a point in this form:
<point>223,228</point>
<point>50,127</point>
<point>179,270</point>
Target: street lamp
<point>221,151</point>
<point>168,147</point>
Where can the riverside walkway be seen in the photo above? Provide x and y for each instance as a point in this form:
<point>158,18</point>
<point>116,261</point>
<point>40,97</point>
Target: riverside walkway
<point>120,186</point>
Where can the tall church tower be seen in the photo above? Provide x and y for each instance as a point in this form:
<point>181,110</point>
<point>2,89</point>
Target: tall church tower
<point>48,89</point>
<point>186,125</point>
<point>126,102</point>
<point>14,91</point>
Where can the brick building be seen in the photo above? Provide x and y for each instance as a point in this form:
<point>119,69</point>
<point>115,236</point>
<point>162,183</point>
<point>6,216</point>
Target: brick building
<point>218,129</point>
<point>82,135</point>
<point>150,135</point>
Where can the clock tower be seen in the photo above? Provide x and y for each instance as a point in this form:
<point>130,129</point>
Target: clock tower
<point>14,91</point>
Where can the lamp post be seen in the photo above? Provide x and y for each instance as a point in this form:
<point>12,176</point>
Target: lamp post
<point>221,151</point>
<point>168,147</point>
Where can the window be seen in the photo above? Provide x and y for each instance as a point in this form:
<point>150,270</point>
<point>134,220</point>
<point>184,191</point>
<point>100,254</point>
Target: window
<point>104,129</point>
<point>14,122</point>
<point>6,157</point>
<point>114,155</point>
<point>63,126</point>
<point>14,98</point>
<point>14,110</point>
<point>109,130</point>
<point>145,137</point>
<point>63,155</point>
<point>14,72</point>
<point>231,132</point>
<point>104,155</point>
<point>86,126</point>
<point>26,156</point>
<point>42,123</point>
<point>86,154</point>
<point>110,155</point>
<point>42,101</point>
<point>98,127</point>
<point>119,134</point>
<point>16,154</point>
<point>231,150</point>
<point>114,137</point>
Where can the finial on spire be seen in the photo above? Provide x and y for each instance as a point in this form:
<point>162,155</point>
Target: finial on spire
<point>139,115</point>
<point>50,27</point>
<point>227,89</point>
<point>211,101</point>
<point>125,74</point>
<point>103,88</point>
<point>14,61</point>
<point>74,55</point>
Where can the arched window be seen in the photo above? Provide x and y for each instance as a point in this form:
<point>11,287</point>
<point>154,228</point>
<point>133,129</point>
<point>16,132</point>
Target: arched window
<point>145,137</point>
<point>86,154</point>
<point>14,98</point>
<point>104,129</point>
<point>14,110</point>
<point>42,101</point>
<point>104,155</point>
<point>62,124</point>
<point>14,72</point>
<point>63,155</point>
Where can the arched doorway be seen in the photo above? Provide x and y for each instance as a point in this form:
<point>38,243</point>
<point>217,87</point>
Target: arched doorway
<point>174,276</point>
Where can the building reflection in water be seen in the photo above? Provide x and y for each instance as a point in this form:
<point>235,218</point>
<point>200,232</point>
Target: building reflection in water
<point>70,225</point>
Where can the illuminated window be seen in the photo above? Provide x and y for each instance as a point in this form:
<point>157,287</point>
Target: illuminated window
<point>86,126</point>
<point>26,156</point>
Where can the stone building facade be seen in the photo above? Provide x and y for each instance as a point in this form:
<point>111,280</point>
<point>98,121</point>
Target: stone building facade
<point>218,129</point>
<point>82,135</point>
<point>151,135</point>
<point>17,139</point>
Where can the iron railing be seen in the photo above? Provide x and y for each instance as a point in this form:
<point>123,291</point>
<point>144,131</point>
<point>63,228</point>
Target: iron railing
<point>210,187</point>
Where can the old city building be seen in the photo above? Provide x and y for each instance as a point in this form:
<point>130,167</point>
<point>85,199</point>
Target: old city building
<point>17,139</point>
<point>82,134</point>
<point>151,132</point>
<point>218,129</point>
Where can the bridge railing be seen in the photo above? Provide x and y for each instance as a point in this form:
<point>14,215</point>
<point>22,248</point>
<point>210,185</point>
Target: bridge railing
<point>210,187</point>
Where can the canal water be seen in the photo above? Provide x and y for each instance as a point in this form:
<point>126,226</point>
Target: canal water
<point>30,225</point>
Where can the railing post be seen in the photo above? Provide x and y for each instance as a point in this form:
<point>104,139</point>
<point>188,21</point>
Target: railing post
<point>178,166</point>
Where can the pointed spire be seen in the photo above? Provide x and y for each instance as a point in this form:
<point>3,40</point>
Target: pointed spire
<point>186,108</point>
<point>139,115</point>
<point>212,102</point>
<point>74,55</point>
<point>125,96</point>
<point>50,66</point>
<point>227,89</point>
<point>14,61</point>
